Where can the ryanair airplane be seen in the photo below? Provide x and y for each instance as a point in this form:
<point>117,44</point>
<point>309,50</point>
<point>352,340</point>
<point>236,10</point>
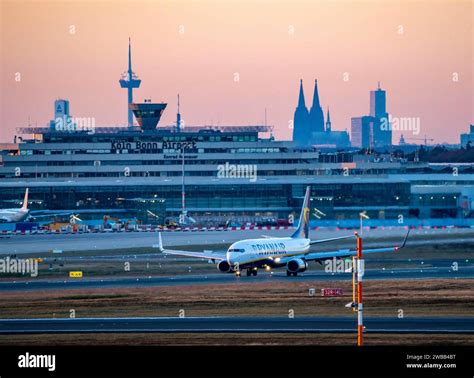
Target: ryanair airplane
<point>268,253</point>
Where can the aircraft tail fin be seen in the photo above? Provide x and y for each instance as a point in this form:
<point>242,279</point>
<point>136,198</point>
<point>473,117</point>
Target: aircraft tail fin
<point>160,242</point>
<point>303,227</point>
<point>25,201</point>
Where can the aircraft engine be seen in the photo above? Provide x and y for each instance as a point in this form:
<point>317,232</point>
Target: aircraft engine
<point>297,265</point>
<point>224,267</point>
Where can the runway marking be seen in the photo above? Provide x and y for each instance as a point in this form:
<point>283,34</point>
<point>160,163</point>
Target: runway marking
<point>235,325</point>
<point>238,330</point>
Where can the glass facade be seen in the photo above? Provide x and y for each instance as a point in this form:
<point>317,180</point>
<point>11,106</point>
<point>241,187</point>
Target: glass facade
<point>79,171</point>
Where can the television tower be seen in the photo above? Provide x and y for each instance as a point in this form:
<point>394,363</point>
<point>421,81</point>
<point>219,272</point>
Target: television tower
<point>129,80</point>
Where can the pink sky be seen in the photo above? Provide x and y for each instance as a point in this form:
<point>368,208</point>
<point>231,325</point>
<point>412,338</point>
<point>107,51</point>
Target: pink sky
<point>251,38</point>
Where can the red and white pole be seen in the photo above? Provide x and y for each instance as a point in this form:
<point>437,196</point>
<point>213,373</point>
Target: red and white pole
<point>354,284</point>
<point>360,307</point>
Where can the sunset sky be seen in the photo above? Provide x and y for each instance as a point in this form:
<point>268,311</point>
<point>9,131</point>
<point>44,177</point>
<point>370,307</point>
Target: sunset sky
<point>197,48</point>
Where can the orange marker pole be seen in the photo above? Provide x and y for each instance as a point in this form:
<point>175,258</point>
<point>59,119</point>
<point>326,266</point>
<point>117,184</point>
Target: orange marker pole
<point>360,273</point>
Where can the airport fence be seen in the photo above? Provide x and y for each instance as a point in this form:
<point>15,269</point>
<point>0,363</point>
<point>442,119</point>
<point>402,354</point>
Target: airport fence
<point>349,224</point>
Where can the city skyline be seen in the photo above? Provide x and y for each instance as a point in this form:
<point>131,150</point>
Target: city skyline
<point>234,60</point>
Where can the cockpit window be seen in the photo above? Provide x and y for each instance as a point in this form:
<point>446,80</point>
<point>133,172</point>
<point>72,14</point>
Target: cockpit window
<point>236,250</point>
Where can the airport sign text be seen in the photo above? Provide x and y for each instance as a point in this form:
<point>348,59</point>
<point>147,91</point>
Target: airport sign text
<point>121,145</point>
<point>331,292</point>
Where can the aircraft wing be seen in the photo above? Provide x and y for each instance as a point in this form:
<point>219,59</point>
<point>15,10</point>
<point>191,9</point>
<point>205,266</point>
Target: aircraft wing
<point>332,239</point>
<point>351,252</point>
<point>200,255</point>
<point>48,213</point>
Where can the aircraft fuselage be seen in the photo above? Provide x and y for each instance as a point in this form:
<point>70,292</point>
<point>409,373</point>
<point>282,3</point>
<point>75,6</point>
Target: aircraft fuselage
<point>254,252</point>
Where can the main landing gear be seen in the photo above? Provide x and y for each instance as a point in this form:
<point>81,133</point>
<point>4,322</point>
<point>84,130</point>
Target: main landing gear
<point>251,271</point>
<point>289,274</point>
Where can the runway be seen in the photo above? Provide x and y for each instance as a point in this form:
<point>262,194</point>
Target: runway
<point>221,278</point>
<point>40,244</point>
<point>236,325</point>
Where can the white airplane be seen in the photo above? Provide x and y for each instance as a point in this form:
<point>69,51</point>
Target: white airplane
<point>267,253</point>
<point>25,214</point>
<point>16,215</point>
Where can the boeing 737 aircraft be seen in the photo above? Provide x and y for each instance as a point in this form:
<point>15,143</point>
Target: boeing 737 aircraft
<point>16,215</point>
<point>290,252</point>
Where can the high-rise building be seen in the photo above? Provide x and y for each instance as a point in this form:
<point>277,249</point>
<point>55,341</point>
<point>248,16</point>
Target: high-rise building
<point>378,109</point>
<point>62,119</point>
<point>374,130</point>
<point>301,130</point>
<point>468,138</point>
<point>316,117</point>
<point>363,130</point>
<point>378,104</point>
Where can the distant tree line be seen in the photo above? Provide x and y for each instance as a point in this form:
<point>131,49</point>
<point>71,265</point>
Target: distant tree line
<point>437,154</point>
<point>441,154</point>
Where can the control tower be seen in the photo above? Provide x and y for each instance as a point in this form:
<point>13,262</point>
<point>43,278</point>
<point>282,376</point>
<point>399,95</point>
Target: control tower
<point>148,114</point>
<point>129,80</point>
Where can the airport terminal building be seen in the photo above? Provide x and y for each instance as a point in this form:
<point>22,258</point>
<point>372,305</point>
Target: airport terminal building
<point>216,173</point>
<point>230,172</point>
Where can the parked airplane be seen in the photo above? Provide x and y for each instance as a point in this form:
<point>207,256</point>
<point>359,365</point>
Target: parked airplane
<point>16,215</point>
<point>25,214</point>
<point>290,252</point>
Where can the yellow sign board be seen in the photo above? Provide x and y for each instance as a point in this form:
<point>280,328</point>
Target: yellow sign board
<point>75,274</point>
